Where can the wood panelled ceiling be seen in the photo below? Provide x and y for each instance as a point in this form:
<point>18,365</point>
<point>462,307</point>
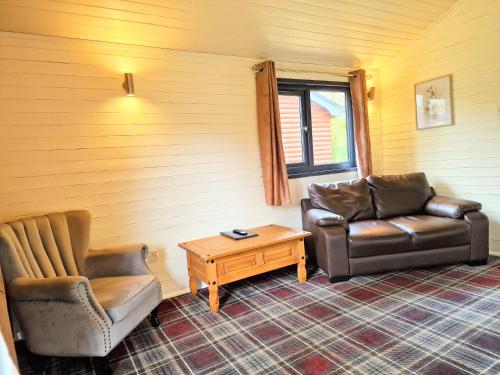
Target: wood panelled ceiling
<point>334,32</point>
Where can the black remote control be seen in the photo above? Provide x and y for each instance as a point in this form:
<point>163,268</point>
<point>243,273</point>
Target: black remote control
<point>241,232</point>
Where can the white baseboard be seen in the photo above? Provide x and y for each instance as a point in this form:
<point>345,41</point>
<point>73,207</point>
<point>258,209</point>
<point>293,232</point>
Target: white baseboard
<point>174,293</point>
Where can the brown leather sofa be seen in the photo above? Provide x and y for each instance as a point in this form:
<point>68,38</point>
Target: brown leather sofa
<point>386,223</point>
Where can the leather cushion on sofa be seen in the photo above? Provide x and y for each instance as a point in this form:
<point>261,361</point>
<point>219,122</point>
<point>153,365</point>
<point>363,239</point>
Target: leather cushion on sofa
<point>400,194</point>
<point>350,199</point>
<point>432,232</point>
<point>376,237</point>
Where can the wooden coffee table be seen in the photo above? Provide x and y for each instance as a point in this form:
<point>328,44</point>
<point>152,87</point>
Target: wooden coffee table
<point>219,260</point>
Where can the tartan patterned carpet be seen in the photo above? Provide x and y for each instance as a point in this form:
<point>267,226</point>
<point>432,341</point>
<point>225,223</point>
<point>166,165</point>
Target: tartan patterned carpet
<point>435,321</point>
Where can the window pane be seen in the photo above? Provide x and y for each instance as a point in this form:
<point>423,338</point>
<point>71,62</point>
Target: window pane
<point>291,128</point>
<point>328,115</point>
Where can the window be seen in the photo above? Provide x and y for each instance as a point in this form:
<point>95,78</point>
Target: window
<point>316,126</point>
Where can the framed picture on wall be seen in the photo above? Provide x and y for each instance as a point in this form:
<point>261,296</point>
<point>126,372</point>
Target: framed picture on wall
<point>434,103</point>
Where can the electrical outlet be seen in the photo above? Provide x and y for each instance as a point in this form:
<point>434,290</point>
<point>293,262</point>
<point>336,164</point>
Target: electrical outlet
<point>152,257</point>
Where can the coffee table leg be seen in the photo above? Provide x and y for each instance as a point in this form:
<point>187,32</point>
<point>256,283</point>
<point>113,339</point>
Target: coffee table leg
<point>213,297</point>
<point>213,286</point>
<point>193,282</point>
<point>301,266</point>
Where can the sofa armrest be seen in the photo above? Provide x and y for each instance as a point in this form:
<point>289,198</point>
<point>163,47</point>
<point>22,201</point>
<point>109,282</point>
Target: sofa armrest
<point>64,288</point>
<point>324,218</point>
<point>479,241</point>
<point>126,260</point>
<point>450,207</point>
<point>327,247</point>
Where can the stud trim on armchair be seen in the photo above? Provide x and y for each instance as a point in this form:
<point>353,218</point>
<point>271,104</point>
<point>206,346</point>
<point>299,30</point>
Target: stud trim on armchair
<point>100,322</point>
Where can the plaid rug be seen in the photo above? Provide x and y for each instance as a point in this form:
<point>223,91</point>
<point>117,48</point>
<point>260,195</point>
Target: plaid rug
<point>434,321</point>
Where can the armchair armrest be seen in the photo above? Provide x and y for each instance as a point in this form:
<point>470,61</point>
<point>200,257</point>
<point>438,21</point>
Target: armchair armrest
<point>61,316</point>
<point>324,218</point>
<point>63,289</point>
<point>450,207</point>
<point>126,260</point>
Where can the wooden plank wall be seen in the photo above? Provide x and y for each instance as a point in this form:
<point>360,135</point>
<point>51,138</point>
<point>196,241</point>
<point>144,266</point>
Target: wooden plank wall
<point>178,161</point>
<point>463,160</point>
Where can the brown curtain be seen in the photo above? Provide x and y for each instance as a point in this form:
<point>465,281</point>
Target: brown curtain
<point>361,127</point>
<point>271,144</point>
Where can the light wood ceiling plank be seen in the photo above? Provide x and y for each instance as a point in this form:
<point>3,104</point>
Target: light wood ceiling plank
<point>335,31</point>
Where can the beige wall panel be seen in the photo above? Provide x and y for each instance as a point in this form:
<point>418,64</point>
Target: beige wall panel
<point>179,160</point>
<point>462,160</point>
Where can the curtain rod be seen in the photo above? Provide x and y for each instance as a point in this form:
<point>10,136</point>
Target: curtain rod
<point>256,69</point>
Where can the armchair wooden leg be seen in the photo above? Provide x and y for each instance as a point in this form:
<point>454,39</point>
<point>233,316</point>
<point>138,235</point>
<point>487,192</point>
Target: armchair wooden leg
<point>153,318</point>
<point>38,363</point>
<point>102,365</point>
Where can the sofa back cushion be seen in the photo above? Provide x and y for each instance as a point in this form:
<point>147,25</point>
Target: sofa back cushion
<point>350,199</point>
<point>397,195</point>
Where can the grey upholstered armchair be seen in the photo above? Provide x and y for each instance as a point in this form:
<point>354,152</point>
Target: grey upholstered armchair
<point>69,300</point>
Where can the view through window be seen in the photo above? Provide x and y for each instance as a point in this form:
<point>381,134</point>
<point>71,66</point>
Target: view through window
<point>316,123</point>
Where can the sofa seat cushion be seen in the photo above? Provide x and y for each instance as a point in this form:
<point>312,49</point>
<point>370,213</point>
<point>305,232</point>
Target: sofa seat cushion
<point>432,232</point>
<point>120,295</point>
<point>376,237</point>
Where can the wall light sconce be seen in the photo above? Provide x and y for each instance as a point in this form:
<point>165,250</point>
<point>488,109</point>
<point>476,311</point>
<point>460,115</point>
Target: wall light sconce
<point>128,84</point>
<point>371,94</point>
